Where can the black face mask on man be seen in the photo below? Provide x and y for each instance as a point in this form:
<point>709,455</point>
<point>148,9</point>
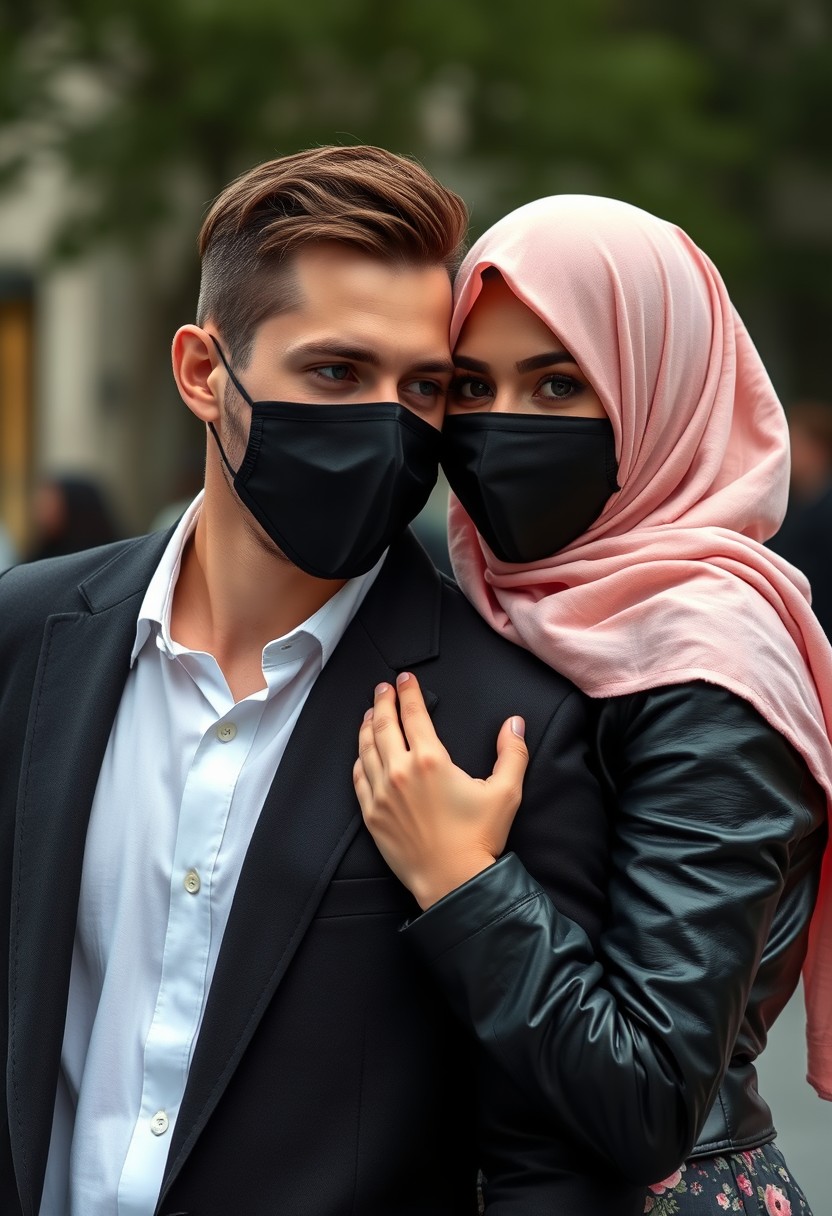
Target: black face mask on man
<point>333,485</point>
<point>531,483</point>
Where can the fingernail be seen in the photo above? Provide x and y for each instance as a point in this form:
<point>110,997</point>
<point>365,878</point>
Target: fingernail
<point>368,714</point>
<point>402,677</point>
<point>518,726</point>
<point>380,688</point>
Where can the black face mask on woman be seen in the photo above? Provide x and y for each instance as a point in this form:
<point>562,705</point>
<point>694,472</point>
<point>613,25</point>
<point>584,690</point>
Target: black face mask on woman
<point>531,483</point>
<point>333,485</point>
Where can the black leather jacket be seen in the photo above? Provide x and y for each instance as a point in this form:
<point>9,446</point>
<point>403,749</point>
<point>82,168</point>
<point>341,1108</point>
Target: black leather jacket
<point>643,1043</point>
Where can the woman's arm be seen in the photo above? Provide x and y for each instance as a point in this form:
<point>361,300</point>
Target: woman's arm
<point>626,1043</point>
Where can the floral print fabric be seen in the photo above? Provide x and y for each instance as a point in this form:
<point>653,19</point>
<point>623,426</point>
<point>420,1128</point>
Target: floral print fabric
<point>755,1182</point>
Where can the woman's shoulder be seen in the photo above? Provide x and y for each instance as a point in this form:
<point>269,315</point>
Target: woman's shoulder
<point>706,744</point>
<point>692,704</point>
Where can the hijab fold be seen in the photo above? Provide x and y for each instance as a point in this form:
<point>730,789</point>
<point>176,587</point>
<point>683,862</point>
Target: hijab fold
<point>672,582</point>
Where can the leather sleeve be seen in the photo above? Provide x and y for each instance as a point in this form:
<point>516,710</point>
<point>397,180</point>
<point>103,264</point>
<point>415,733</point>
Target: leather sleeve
<point>625,1042</point>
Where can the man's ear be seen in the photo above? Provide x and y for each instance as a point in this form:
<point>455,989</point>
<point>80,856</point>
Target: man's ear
<point>198,372</point>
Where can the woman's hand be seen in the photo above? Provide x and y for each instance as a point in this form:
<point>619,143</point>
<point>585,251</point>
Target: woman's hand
<point>435,826</point>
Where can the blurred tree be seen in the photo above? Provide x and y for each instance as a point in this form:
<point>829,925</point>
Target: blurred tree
<point>145,98</point>
<point>771,75</point>
<point>698,112</point>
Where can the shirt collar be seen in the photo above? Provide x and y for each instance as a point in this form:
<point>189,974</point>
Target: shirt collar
<point>327,625</point>
<point>332,618</point>
<point>156,605</point>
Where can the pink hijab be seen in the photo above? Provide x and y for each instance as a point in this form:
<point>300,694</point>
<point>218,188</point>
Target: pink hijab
<point>672,582</point>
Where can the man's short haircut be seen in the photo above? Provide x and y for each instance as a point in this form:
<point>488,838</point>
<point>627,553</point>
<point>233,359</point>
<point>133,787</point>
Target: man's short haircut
<point>385,205</point>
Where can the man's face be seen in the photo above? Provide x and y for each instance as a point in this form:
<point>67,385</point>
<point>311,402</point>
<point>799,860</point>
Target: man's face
<point>362,331</point>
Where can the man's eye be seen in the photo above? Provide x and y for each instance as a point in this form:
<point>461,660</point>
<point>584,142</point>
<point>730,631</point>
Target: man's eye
<point>466,388</point>
<point>424,388</point>
<point>334,371</point>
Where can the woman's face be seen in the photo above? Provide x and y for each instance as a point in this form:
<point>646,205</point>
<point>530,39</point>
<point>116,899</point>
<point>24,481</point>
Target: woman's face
<point>508,360</point>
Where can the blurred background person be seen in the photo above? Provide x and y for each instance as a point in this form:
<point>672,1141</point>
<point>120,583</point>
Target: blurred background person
<point>8,555</point>
<point>186,485</point>
<point>430,526</point>
<point>70,513</point>
<point>805,538</point>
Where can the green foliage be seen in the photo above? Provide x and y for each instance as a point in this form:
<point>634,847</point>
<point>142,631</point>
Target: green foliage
<point>551,94</point>
<point>713,115</point>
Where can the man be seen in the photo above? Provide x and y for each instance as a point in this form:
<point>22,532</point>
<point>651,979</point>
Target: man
<point>211,1007</point>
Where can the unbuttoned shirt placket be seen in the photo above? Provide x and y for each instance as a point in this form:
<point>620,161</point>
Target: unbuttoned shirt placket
<point>182,783</point>
<point>203,815</point>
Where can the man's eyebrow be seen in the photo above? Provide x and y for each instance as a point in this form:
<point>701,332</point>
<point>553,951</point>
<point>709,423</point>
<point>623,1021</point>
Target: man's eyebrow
<point>362,354</point>
<point>336,350</point>
<point>442,367</point>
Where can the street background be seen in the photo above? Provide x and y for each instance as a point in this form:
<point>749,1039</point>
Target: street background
<point>803,1121</point>
<point>120,122</point>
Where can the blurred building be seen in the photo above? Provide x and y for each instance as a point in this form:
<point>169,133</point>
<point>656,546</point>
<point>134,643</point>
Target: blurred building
<point>16,344</point>
<point>61,344</point>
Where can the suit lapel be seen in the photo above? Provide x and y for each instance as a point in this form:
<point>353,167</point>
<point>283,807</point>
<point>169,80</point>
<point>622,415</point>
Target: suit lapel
<point>83,665</point>
<point>308,820</point>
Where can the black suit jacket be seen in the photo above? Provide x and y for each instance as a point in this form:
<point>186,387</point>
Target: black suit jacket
<point>329,1076</point>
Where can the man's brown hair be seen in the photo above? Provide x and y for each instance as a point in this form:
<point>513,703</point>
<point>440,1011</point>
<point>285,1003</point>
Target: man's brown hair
<point>386,205</point>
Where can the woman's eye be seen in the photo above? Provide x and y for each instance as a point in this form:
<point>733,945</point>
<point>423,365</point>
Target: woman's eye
<point>465,388</point>
<point>559,388</point>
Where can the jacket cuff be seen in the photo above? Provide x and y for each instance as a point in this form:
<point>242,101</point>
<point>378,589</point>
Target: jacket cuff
<point>478,903</point>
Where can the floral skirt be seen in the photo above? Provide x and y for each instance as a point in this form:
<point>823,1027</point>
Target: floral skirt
<point>756,1182</point>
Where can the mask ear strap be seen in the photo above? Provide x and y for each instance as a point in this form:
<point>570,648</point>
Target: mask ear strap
<point>242,393</point>
<point>231,375</point>
<point>225,459</point>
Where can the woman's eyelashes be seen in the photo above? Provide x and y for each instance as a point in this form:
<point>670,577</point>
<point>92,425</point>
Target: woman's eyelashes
<point>554,388</point>
<point>559,388</point>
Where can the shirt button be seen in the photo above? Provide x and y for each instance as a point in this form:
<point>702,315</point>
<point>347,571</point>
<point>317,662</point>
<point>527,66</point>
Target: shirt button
<point>159,1123</point>
<point>192,882</point>
<point>226,732</point>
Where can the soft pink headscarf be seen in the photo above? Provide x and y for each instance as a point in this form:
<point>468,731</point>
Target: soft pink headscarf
<point>672,583</point>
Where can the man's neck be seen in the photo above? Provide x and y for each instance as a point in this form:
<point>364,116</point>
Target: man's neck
<point>233,596</point>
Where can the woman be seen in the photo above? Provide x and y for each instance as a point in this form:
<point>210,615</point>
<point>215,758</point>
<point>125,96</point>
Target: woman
<point>619,456</point>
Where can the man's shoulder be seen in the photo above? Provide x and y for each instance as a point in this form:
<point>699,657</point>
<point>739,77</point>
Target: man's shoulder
<point>472,642</point>
<point>35,590</point>
<point>414,608</point>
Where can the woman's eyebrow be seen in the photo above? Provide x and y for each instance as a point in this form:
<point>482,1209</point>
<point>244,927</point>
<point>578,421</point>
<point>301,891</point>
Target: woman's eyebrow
<point>471,365</point>
<point>536,361</point>
<point>525,365</point>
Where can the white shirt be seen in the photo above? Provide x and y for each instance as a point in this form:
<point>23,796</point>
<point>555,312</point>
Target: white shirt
<point>182,783</point>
